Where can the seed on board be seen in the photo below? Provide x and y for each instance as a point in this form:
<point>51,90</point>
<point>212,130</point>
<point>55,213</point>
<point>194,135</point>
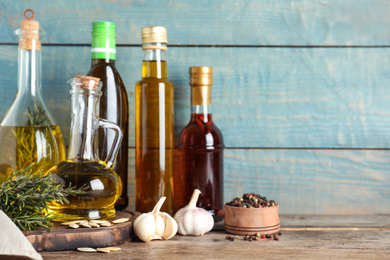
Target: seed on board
<point>113,248</point>
<point>120,220</point>
<point>98,221</point>
<point>94,225</point>
<point>86,249</point>
<point>71,222</point>
<point>105,224</point>
<point>74,226</point>
<point>85,224</point>
<point>103,250</point>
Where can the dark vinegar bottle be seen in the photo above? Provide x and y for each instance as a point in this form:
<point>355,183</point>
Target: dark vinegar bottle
<point>200,150</point>
<point>114,105</point>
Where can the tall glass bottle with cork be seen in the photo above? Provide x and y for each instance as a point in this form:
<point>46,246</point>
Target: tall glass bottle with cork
<point>154,124</point>
<point>28,133</point>
<point>201,150</point>
<point>114,105</point>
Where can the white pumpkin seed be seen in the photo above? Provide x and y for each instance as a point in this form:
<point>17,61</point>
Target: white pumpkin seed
<point>85,224</point>
<point>114,248</point>
<point>74,226</point>
<point>105,224</point>
<point>86,249</point>
<point>103,250</point>
<point>94,225</point>
<point>71,222</point>
<point>120,220</point>
<point>98,221</point>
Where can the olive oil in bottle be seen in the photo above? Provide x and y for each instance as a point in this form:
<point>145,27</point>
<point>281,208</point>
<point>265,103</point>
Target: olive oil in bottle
<point>114,105</point>
<point>83,168</point>
<point>28,133</point>
<point>154,124</point>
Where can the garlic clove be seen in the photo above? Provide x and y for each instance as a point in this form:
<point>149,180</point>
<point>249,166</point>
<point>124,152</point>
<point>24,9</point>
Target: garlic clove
<point>145,227</point>
<point>170,227</point>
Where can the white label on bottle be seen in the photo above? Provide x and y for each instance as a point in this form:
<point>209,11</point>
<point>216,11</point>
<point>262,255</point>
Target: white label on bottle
<point>106,50</point>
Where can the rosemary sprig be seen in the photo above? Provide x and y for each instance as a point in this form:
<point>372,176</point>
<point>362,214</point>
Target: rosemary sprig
<point>23,197</point>
<point>37,116</point>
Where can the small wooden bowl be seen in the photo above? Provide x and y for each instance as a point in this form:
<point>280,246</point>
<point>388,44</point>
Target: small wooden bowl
<point>242,221</point>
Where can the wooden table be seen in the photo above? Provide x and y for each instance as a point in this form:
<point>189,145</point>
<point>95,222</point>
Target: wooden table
<point>303,237</point>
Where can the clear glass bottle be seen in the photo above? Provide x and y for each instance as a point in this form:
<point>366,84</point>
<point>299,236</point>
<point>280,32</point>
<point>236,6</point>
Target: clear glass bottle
<point>114,105</point>
<point>83,167</point>
<point>154,124</point>
<point>200,150</point>
<point>28,133</point>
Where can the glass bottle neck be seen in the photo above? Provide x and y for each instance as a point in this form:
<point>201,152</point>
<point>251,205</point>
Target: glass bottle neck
<point>154,61</point>
<point>107,61</point>
<point>201,112</point>
<point>85,113</point>
<point>29,72</point>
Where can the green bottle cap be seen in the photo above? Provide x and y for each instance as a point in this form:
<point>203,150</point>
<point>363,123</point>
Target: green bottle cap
<point>103,40</point>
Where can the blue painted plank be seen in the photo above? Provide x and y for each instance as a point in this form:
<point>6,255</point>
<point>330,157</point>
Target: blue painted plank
<point>270,22</point>
<point>326,182</point>
<point>262,97</point>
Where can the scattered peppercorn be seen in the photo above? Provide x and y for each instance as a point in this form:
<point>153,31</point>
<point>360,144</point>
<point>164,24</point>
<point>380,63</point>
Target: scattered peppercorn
<point>232,239</point>
<point>279,233</point>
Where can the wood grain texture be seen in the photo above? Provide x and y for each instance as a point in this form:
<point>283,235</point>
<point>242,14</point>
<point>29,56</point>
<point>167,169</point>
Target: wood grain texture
<point>271,22</point>
<point>262,97</point>
<point>305,181</point>
<point>295,243</point>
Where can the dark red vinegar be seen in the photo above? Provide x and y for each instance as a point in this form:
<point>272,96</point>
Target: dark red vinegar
<point>200,155</point>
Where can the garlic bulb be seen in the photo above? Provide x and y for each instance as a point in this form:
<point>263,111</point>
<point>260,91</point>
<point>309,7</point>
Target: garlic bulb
<point>192,220</point>
<point>155,224</point>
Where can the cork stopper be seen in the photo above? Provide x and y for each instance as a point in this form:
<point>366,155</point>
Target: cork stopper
<point>29,36</point>
<point>201,80</point>
<point>87,82</point>
<point>154,34</point>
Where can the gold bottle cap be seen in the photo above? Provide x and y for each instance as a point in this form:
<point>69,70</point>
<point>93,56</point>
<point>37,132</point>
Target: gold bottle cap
<point>201,80</point>
<point>154,34</point>
<point>87,82</point>
<point>29,38</point>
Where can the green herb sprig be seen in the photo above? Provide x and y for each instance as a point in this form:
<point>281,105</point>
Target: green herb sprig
<point>23,198</point>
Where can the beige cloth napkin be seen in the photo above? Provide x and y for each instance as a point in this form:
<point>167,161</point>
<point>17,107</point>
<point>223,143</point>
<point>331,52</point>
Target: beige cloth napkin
<point>13,244</point>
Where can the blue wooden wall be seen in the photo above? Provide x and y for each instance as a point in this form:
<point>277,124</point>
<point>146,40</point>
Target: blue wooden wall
<point>301,92</point>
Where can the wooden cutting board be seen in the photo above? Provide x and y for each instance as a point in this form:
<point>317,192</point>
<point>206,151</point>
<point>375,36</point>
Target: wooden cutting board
<point>65,238</point>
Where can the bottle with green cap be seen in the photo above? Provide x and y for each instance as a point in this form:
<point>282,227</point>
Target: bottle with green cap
<point>114,105</point>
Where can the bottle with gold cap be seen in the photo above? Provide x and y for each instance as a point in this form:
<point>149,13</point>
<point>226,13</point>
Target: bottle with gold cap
<point>200,150</point>
<point>28,133</point>
<point>154,124</point>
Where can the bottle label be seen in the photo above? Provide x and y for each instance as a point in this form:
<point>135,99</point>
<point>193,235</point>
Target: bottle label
<point>103,48</point>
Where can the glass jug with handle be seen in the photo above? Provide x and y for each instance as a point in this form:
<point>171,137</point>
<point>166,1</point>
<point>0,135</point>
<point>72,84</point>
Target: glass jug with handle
<point>82,166</point>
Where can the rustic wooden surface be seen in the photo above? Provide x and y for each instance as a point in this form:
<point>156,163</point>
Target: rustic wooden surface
<point>300,89</point>
<point>65,238</point>
<point>303,237</point>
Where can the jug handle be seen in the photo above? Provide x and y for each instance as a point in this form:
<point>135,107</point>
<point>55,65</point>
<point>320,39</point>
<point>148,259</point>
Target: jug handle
<point>116,143</point>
